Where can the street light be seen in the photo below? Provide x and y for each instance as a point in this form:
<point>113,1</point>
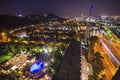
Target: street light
<point>46,51</point>
<point>3,34</point>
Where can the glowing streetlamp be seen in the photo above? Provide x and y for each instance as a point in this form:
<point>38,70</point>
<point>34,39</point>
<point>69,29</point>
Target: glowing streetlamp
<point>46,51</point>
<point>3,34</point>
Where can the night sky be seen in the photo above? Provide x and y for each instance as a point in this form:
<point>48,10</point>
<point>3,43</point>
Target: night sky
<point>64,8</point>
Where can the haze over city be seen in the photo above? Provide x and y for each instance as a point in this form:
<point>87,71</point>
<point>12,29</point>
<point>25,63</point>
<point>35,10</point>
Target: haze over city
<point>64,8</point>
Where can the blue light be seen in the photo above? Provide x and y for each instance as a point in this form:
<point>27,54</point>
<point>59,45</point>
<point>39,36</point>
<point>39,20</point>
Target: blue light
<point>91,6</point>
<point>37,67</point>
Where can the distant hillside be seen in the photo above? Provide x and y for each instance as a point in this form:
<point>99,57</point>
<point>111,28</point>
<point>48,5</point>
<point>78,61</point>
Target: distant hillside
<point>9,22</point>
<point>45,18</point>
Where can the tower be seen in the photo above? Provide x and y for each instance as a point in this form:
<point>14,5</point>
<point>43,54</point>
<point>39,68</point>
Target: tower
<point>91,8</point>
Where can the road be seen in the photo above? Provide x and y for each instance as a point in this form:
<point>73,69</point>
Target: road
<point>110,61</point>
<point>112,51</point>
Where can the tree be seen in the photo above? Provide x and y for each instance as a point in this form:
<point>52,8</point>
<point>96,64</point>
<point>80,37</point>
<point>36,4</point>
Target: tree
<point>91,77</point>
<point>93,38</point>
<point>4,76</point>
<point>10,49</point>
<point>97,64</point>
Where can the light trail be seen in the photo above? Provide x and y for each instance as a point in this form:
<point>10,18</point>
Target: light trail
<point>110,54</point>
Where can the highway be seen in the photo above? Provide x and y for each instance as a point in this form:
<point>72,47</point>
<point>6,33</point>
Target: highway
<point>109,53</point>
<point>109,49</point>
<point>110,67</point>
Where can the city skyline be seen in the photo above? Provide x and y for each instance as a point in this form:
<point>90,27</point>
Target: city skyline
<point>63,8</point>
